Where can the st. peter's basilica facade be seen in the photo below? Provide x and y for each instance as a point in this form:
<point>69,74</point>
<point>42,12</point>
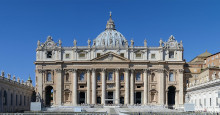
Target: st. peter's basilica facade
<point>110,71</point>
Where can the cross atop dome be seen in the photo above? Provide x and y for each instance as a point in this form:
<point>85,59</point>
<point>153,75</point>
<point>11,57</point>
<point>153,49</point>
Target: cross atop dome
<point>110,23</point>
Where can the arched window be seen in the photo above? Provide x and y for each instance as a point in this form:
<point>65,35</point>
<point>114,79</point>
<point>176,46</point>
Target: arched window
<point>67,77</point>
<point>152,77</point>
<point>81,77</point>
<point>138,76</point>
<point>49,76</point>
<point>110,78</point>
<point>171,76</point>
<point>122,77</point>
<point>98,77</point>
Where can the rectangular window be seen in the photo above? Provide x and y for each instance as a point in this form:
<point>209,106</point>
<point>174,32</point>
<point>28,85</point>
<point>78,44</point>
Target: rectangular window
<point>122,86</point>
<point>138,55</point>
<point>171,76</point>
<point>138,86</point>
<point>49,54</point>
<point>122,54</point>
<point>153,56</point>
<point>98,54</point>
<point>204,102</point>
<point>171,54</point>
<point>216,101</point>
<point>67,56</point>
<point>82,55</point>
<point>210,101</point>
<point>81,86</point>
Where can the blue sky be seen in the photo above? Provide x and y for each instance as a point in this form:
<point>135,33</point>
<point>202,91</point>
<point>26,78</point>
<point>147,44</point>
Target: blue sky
<point>23,22</point>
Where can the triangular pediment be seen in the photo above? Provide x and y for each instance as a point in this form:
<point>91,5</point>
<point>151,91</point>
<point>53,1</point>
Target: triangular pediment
<point>110,56</point>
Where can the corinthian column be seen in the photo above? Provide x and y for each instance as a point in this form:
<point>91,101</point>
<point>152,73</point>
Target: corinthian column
<point>88,87</point>
<point>103,86</point>
<point>132,88</point>
<point>126,86</point>
<point>59,86</point>
<point>93,87</point>
<point>181,86</point>
<point>145,87</point>
<point>40,82</point>
<point>117,87</point>
<point>74,94</point>
<point>161,86</point>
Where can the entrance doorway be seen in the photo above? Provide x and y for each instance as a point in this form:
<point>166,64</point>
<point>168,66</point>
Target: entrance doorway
<point>121,100</point>
<point>98,100</point>
<point>110,96</point>
<point>82,97</point>
<point>138,98</point>
<point>171,95</point>
<point>49,95</point>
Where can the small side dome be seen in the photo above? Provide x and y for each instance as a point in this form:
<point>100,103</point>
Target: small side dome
<point>110,37</point>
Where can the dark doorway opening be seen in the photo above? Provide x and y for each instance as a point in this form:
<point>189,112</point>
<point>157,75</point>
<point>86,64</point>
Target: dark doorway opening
<point>49,95</point>
<point>98,100</point>
<point>82,97</point>
<point>121,100</point>
<point>138,98</point>
<point>171,95</point>
<point>110,96</point>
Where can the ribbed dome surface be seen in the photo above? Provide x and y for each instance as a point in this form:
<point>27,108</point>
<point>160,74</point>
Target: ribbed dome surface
<point>110,37</point>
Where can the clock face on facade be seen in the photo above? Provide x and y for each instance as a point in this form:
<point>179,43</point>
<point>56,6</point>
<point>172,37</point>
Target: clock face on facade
<point>172,44</point>
<point>49,44</point>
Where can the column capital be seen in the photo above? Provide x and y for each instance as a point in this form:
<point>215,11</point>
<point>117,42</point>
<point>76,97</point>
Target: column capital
<point>93,69</point>
<point>181,71</point>
<point>127,69</point>
<point>160,70</point>
<point>67,70</point>
<point>58,70</point>
<point>146,70</point>
<point>117,69</point>
<point>40,70</point>
<point>103,69</point>
<point>73,70</point>
<point>88,70</point>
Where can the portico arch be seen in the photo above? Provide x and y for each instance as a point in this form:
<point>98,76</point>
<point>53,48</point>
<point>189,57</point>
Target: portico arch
<point>171,95</point>
<point>48,95</point>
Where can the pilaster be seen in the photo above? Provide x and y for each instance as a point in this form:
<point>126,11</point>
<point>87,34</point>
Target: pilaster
<point>126,86</point>
<point>145,86</point>
<point>103,86</point>
<point>74,92</point>
<point>59,86</point>
<point>88,87</point>
<point>117,90</point>
<point>93,86</point>
<point>181,71</point>
<point>132,88</point>
<point>161,86</point>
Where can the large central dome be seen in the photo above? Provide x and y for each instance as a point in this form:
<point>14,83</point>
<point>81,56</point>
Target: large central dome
<point>110,37</point>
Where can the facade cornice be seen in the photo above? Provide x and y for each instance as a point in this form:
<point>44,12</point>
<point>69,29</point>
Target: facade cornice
<point>15,83</point>
<point>204,85</point>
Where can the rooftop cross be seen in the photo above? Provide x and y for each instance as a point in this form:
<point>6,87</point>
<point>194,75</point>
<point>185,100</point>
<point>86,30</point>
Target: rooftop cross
<point>110,13</point>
